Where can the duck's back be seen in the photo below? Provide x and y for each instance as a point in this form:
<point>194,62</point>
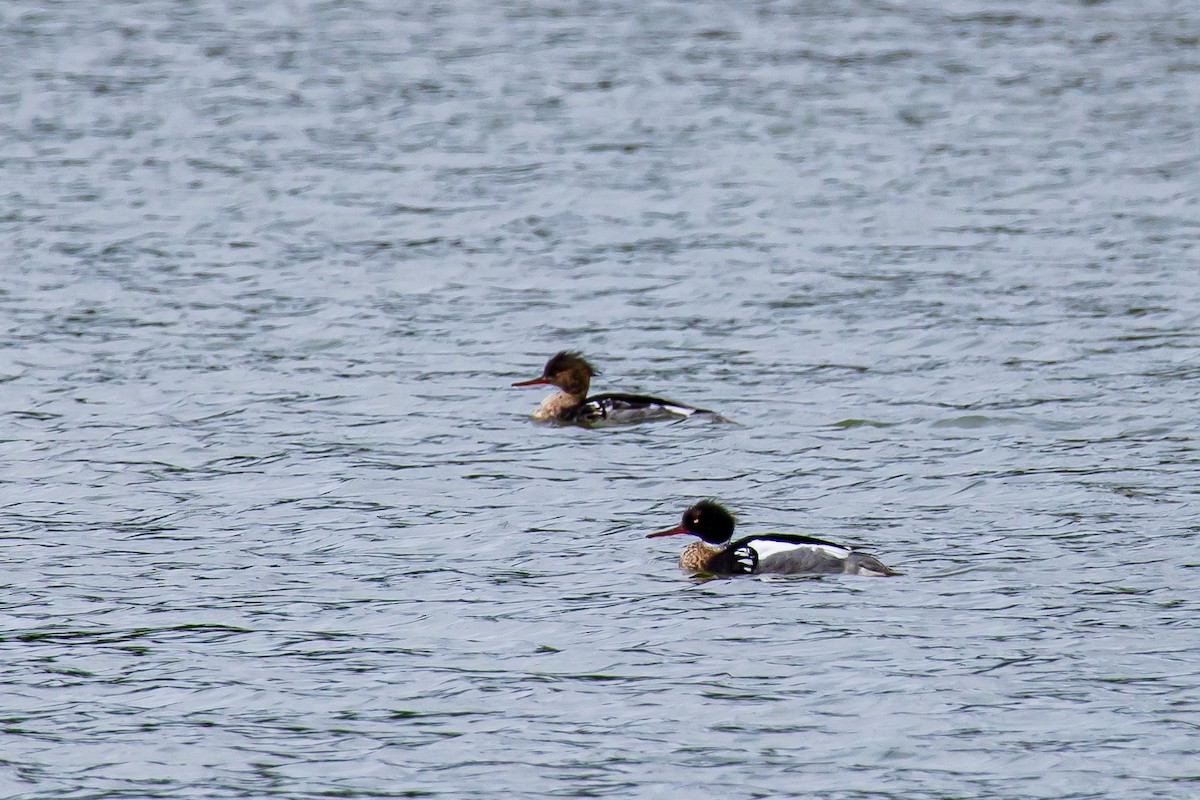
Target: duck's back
<point>625,408</point>
<point>787,553</point>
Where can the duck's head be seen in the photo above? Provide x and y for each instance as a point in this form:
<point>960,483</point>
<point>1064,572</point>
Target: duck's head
<point>707,519</point>
<point>567,370</point>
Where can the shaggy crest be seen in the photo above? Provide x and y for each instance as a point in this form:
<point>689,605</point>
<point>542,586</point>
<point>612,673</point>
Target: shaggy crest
<point>566,360</point>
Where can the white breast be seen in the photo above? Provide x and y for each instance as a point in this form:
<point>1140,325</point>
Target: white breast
<point>554,405</point>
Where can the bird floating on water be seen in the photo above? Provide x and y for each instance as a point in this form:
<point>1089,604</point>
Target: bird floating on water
<point>572,374</point>
<point>779,553</point>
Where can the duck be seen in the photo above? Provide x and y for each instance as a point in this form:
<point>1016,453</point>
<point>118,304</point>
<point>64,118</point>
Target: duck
<point>778,553</point>
<point>572,374</point>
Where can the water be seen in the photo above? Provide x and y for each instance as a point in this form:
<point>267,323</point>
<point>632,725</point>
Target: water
<point>274,524</point>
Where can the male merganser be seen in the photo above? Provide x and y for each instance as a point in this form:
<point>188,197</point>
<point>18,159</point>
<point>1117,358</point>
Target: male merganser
<point>768,552</point>
<point>572,374</point>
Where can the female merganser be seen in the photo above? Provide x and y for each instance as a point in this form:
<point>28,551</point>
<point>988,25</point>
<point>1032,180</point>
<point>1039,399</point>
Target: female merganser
<point>768,552</point>
<point>572,374</point>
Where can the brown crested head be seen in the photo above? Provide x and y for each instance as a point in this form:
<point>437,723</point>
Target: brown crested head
<point>569,361</point>
<point>568,370</point>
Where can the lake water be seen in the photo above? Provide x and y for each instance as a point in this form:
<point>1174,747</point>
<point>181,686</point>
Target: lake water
<point>274,523</point>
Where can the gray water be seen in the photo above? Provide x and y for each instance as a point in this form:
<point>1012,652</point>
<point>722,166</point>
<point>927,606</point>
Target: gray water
<point>274,524</point>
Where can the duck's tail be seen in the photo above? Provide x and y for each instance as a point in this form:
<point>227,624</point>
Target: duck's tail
<point>870,566</point>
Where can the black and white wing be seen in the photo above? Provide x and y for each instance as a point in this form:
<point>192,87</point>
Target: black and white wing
<point>790,553</point>
<point>738,558</point>
<point>627,408</point>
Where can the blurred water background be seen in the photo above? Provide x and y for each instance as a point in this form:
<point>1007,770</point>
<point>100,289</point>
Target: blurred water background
<point>275,525</point>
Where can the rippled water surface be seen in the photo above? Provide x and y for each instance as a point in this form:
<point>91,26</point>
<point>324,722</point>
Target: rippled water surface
<point>274,524</point>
